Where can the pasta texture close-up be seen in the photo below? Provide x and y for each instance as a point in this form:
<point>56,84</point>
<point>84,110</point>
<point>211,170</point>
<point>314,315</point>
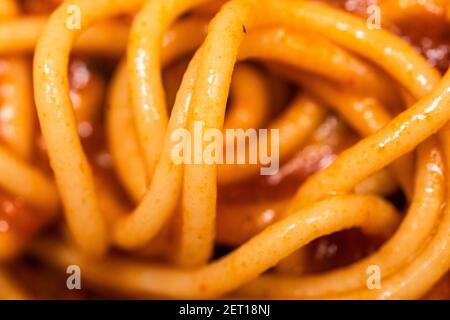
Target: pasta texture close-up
<point>225,149</point>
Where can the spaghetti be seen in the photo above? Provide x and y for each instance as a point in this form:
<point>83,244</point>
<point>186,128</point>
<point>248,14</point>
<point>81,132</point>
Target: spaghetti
<point>362,136</point>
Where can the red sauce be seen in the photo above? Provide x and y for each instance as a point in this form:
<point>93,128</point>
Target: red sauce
<point>39,6</point>
<point>16,216</point>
